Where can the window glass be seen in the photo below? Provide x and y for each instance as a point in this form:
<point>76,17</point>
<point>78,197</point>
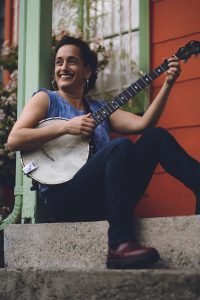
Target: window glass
<point>116,25</point>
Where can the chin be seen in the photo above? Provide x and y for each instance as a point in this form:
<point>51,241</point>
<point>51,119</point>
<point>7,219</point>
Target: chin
<point>65,86</point>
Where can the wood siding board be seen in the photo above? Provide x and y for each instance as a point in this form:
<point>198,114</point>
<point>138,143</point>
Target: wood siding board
<point>183,107</point>
<point>173,19</point>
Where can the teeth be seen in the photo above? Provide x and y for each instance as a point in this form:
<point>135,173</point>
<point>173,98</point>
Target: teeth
<point>66,76</point>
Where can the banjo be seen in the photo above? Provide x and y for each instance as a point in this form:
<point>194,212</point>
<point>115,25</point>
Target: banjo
<point>59,160</point>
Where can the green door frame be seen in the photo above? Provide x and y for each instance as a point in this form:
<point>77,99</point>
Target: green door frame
<point>35,37</point>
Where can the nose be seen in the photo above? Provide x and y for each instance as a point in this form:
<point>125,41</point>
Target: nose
<point>64,65</point>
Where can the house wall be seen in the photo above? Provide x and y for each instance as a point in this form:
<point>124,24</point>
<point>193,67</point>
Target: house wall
<point>172,25</point>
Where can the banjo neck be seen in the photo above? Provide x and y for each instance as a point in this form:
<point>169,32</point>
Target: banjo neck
<point>112,105</point>
<point>183,53</point>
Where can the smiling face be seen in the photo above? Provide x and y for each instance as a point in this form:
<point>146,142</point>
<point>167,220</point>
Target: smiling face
<point>70,71</point>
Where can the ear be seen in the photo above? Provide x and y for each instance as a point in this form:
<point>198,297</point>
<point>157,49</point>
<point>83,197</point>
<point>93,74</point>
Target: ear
<point>88,72</point>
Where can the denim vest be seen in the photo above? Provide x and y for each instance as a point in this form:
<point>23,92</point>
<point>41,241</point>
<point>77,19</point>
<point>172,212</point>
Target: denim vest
<point>60,107</point>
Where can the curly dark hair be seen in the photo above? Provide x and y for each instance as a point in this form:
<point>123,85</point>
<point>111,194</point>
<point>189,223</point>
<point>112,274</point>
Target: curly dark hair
<point>89,57</point>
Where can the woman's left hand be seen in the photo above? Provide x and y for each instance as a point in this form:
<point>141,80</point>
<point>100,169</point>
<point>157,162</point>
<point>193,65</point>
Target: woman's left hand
<point>174,70</point>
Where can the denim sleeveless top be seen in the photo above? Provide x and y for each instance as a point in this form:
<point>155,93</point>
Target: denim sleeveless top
<point>60,107</point>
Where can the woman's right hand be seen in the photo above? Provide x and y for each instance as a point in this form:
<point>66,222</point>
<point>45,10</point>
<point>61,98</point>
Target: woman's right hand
<point>81,125</point>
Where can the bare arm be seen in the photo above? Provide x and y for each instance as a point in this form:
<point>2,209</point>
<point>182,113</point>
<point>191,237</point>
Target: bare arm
<point>25,136</point>
<point>125,122</point>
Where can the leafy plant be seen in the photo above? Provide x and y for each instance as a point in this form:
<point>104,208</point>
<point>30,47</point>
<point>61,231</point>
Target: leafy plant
<point>9,58</point>
<point>8,111</point>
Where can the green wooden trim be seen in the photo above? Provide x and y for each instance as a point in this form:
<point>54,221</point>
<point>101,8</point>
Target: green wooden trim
<point>21,56</point>
<point>140,102</point>
<point>144,42</point>
<point>144,50</point>
<point>38,45</point>
<point>81,15</point>
<point>21,90</point>
<point>16,213</point>
<point>34,72</point>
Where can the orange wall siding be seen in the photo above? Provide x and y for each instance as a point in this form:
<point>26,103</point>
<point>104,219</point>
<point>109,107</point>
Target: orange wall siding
<point>173,24</point>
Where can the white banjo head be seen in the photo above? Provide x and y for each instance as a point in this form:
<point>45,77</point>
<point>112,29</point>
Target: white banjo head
<point>58,160</point>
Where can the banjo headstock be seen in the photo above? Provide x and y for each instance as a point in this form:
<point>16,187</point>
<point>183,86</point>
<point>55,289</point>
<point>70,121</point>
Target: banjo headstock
<point>191,48</point>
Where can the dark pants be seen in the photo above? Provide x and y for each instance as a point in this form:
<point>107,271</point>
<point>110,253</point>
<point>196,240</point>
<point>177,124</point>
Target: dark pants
<point>110,184</point>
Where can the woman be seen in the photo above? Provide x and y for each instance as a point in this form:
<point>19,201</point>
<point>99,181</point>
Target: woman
<point>113,180</point>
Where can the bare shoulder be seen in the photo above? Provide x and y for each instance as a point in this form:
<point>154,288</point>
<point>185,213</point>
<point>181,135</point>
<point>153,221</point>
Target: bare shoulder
<point>40,97</point>
<point>34,111</point>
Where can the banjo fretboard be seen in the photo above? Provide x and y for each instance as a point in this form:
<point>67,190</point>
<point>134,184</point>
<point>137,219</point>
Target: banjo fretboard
<point>112,105</point>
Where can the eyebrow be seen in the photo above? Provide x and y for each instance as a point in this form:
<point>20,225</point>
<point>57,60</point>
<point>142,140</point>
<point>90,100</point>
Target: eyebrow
<point>69,57</point>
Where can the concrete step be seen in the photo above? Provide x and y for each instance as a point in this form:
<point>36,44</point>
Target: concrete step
<point>84,245</point>
<point>69,284</point>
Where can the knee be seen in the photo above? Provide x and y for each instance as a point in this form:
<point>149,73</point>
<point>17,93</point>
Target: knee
<point>158,132</point>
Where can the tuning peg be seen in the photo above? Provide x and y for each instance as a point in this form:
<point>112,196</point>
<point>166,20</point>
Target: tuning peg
<point>141,73</point>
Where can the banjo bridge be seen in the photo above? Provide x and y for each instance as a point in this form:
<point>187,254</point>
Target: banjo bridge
<point>47,155</point>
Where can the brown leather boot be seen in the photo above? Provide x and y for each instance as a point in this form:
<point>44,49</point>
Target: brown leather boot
<point>130,256</point>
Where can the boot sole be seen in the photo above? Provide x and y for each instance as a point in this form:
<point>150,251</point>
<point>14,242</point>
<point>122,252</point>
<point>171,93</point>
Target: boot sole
<point>139,262</point>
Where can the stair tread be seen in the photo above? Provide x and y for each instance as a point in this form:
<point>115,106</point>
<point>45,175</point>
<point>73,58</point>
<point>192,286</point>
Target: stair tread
<point>84,244</point>
<point>79,284</point>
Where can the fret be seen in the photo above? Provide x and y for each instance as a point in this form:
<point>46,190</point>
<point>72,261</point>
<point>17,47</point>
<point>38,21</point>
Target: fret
<point>144,81</point>
<point>120,103</point>
<point>95,118</point>
<point>116,106</point>
<point>108,107</point>
<point>129,93</point>
<point>112,104</point>
<point>99,119</point>
<point>123,95</point>
<point>157,74</point>
<point>134,85</point>
<point>138,84</point>
<point>149,77</point>
<point>106,110</point>
<point>103,112</point>
<point>162,68</point>
<point>132,91</point>
<point>126,94</point>
<point>159,70</point>
<point>141,83</point>
<point>99,115</point>
<point>121,99</point>
<point>97,122</point>
<point>132,88</point>
<point>165,65</point>
<point>154,75</point>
